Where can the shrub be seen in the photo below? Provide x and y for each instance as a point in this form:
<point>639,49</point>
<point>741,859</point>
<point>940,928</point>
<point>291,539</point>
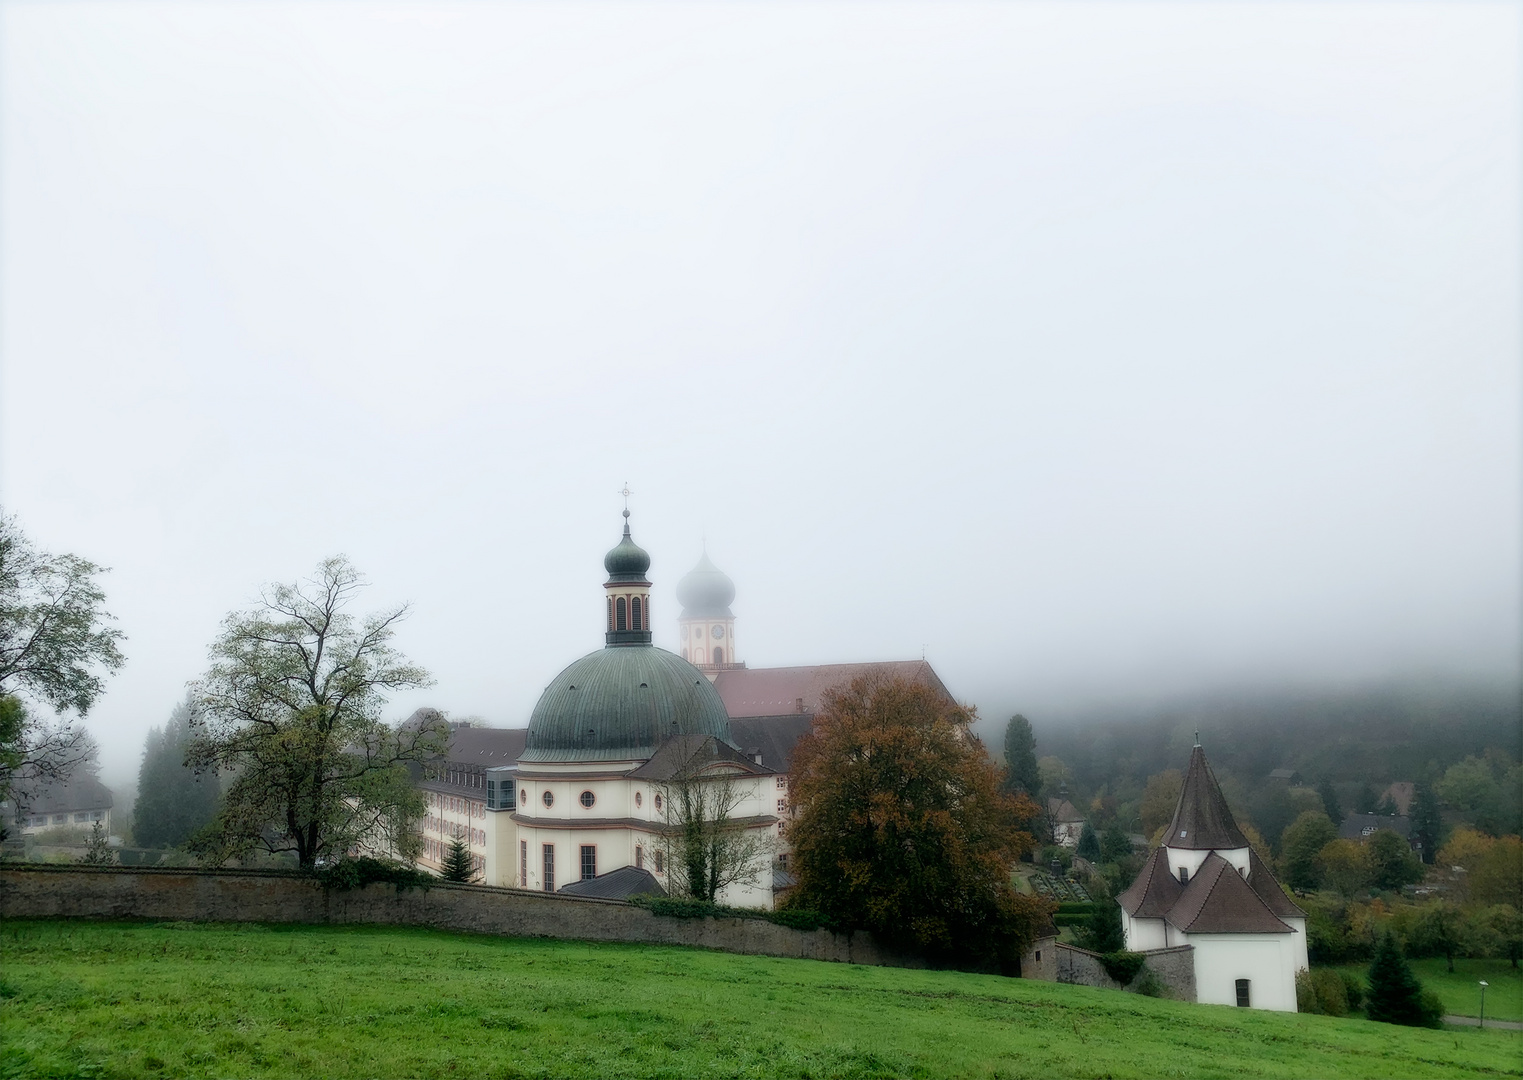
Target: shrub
<point>1122,966</point>
<point>687,908</point>
<point>349,874</point>
<point>1353,990</point>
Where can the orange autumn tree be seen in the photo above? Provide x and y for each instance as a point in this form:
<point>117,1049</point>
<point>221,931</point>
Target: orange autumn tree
<point>902,829</point>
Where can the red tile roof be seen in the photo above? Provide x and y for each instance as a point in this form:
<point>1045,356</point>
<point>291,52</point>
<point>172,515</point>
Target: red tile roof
<point>781,690</point>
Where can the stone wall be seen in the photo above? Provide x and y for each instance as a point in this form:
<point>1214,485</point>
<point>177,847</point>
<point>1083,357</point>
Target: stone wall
<point>40,891</point>
<point>1172,969</point>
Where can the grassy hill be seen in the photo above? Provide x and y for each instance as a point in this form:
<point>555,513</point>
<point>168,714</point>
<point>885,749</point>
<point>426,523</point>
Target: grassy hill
<point>91,999</point>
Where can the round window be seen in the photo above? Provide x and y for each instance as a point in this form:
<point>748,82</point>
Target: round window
<point>638,800</point>
<point>588,798</point>
<point>658,802</point>
<point>548,798</point>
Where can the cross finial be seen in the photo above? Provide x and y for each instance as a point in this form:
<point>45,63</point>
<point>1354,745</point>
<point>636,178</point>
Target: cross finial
<point>1197,736</point>
<point>624,491</point>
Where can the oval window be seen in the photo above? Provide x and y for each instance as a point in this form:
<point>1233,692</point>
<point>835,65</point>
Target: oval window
<point>588,798</point>
<point>658,801</point>
<point>638,800</point>
<point>548,798</point>
<point>523,797</point>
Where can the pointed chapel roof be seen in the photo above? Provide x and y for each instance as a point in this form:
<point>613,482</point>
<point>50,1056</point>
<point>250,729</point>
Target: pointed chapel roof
<point>1201,818</point>
<point>1155,891</point>
<point>1219,901</point>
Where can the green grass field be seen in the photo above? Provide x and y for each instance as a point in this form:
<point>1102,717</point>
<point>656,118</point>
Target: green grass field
<point>130,1000</point>
<point>1461,995</point>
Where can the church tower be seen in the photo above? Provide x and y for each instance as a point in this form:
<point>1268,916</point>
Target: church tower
<point>628,592</point>
<point>706,627</point>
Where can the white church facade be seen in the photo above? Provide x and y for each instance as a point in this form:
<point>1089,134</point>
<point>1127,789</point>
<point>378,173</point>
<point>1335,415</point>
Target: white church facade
<point>1206,887</point>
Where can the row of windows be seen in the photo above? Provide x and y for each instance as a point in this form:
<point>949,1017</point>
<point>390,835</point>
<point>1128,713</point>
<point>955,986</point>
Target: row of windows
<point>63,819</point>
<point>587,798</point>
<point>436,850</point>
<point>631,616</point>
<point>696,656</point>
<point>469,807</point>
<point>454,830</point>
<point>589,860</point>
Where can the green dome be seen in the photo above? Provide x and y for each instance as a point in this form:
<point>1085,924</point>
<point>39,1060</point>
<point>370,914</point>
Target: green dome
<point>619,703</point>
<point>627,561</point>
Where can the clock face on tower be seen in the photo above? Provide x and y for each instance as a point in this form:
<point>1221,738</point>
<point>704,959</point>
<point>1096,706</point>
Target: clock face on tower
<point>718,632</point>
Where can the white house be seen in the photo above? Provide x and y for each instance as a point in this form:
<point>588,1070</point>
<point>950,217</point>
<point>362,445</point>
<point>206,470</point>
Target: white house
<point>1207,888</point>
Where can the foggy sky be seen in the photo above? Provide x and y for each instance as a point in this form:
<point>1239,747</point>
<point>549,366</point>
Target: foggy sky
<point>1092,350</point>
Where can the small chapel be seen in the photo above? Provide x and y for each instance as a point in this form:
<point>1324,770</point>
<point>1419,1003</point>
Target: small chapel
<point>1205,887</point>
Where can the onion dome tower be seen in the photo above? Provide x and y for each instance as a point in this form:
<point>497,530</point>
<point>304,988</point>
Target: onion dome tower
<point>621,702</point>
<point>706,626</point>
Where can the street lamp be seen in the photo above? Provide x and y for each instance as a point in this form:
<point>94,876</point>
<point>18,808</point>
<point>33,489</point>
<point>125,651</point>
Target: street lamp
<point>1484,984</point>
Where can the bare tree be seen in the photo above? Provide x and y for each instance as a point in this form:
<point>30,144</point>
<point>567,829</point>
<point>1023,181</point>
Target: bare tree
<point>706,847</point>
<point>291,708</point>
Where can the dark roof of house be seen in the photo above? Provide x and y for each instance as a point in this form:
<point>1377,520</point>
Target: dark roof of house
<point>82,791</point>
<point>1063,810</point>
<point>1263,882</point>
<point>1201,817</point>
<point>773,737</point>
<point>1155,891</point>
<point>799,690</point>
<point>618,884</point>
<point>486,747</point>
<point>1218,901</point>
<point>782,879</point>
<point>690,753</point>
<point>1283,774</point>
<point>1359,826</point>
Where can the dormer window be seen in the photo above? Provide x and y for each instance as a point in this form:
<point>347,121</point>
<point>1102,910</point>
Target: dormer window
<point>1184,875</point>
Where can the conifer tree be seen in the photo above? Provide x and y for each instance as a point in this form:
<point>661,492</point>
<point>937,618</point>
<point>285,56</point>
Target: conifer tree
<point>1104,934</point>
<point>1395,994</point>
<point>1330,801</point>
<point>1021,771</point>
<point>457,864</point>
<point>1089,843</point>
<point>173,801</point>
<point>1427,824</point>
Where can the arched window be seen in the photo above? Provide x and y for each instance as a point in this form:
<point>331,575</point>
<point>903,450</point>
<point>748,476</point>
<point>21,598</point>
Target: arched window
<point>610,613</point>
<point>619,614</point>
<point>634,614</point>
<point>660,862</point>
<point>718,657</point>
<point>685,655</point>
<point>639,857</point>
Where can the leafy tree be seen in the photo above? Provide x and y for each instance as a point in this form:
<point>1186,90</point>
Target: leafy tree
<point>1466,848</point>
<point>1159,799</point>
<point>1436,932</point>
<point>1303,840</point>
<point>56,648</point>
<point>1470,787</point>
<point>291,708</point>
<point>902,829</point>
<point>1345,865</point>
<point>174,801</point>
<point>1498,875</point>
<point>1089,844</point>
<point>457,865</point>
<point>1392,863</point>
<point>97,849</point>
<point>1329,798</point>
<point>1021,771</point>
<point>1427,821</point>
<point>1395,995</point>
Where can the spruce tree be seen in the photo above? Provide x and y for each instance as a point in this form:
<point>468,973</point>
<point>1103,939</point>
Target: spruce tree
<point>1427,824</point>
<point>1330,801</point>
<point>1395,995</point>
<point>1104,934</point>
<point>1021,772</point>
<point>457,864</point>
<point>173,801</point>
<point>1089,843</point>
